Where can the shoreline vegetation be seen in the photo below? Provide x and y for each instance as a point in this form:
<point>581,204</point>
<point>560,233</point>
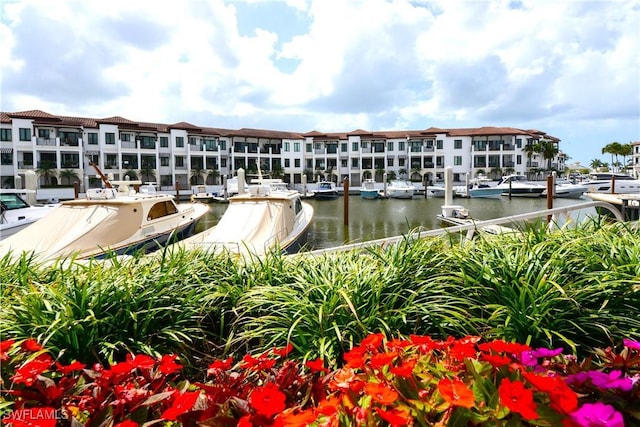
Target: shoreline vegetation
<point>577,288</point>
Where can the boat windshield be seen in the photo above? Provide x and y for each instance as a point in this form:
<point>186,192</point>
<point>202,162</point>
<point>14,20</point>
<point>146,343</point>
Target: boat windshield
<point>12,201</point>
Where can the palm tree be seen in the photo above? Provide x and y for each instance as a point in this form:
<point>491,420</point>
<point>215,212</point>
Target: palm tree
<point>214,174</point>
<point>549,151</point>
<point>614,149</point>
<point>196,174</point>
<point>531,148</point>
<point>132,174</point>
<point>595,164</point>
<point>625,150</point>
<point>402,172</point>
<point>69,175</point>
<point>496,172</point>
<point>47,171</point>
<point>379,173</point>
<point>146,172</point>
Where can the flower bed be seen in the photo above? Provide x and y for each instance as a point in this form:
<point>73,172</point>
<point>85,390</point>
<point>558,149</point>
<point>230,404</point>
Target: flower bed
<point>397,381</point>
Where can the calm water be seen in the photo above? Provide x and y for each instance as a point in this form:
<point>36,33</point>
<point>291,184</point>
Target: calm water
<point>377,219</point>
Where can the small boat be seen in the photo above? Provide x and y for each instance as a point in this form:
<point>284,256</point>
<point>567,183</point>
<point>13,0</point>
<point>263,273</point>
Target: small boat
<point>601,183</point>
<point>257,222</point>
<point>520,186</point>
<point>326,190</point>
<point>201,195</point>
<point>115,220</point>
<point>368,189</point>
<point>400,189</point>
<point>478,187</point>
<point>16,213</point>
<point>459,215</point>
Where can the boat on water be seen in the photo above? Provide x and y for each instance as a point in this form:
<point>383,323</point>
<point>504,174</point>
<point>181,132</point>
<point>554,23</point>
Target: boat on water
<point>478,187</point>
<point>326,190</point>
<point>459,215</point>
<point>115,220</point>
<point>568,190</point>
<point>400,189</point>
<point>602,183</point>
<point>368,189</point>
<point>257,222</point>
<point>520,186</point>
<point>16,213</point>
<point>202,195</point>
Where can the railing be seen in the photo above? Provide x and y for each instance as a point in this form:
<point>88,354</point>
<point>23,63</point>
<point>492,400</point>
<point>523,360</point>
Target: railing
<point>554,215</point>
<point>46,141</point>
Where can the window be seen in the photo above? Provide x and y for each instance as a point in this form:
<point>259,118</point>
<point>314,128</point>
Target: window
<point>308,148</point>
<point>148,142</point>
<point>479,162</point>
<point>519,142</point>
<point>480,145</point>
<point>162,209</point>
<point>439,161</point>
<point>390,146</point>
<point>111,161</point>
<point>125,137</point>
<point>401,163</point>
<point>6,158</point>
<point>25,134</point>
<point>223,145</point>
<point>344,147</point>
<point>390,162</point>
<point>401,145</point>
<point>5,134</point>
<point>43,133</point>
<point>457,160</point>
<point>223,163</point>
<point>179,141</point>
<point>286,146</point>
<point>286,163</point>
<point>110,138</point>
<point>457,144</point>
<point>164,141</point>
<point>164,160</point>
<point>296,147</point>
<point>354,146</point>
<point>179,161</point>
<point>519,159</point>
<point>354,163</point>
<point>92,138</point>
<point>192,140</point>
<point>296,163</point>
<point>439,144</point>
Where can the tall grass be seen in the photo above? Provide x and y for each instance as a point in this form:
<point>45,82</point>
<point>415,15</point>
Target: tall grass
<point>576,288</point>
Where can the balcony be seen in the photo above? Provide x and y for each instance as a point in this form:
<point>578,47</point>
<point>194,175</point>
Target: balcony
<point>51,142</point>
<point>128,144</point>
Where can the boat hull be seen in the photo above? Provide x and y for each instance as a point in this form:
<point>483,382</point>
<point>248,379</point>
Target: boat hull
<point>369,194</point>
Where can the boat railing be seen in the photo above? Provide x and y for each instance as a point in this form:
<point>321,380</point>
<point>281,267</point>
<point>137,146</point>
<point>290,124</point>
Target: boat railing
<point>551,215</point>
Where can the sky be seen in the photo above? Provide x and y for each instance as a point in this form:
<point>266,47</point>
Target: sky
<point>568,68</point>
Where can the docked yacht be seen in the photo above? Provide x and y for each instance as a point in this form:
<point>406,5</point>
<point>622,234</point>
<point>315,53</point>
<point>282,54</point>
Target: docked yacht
<point>602,182</point>
<point>400,189</point>
<point>368,189</point>
<point>520,186</point>
<point>16,213</point>
<point>326,190</point>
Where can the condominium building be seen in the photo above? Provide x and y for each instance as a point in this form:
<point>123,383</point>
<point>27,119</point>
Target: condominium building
<point>61,148</point>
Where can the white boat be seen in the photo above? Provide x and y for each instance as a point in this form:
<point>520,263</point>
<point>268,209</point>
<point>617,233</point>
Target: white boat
<point>567,190</point>
<point>326,190</point>
<point>202,195</point>
<point>16,213</point>
<point>459,215</point>
<point>478,187</point>
<point>601,183</point>
<point>400,189</point>
<point>436,191</point>
<point>109,221</point>
<point>257,222</point>
<point>368,189</point>
<point>520,186</point>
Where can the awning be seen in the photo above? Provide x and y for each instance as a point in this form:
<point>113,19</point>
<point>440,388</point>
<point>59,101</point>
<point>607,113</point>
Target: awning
<point>6,150</point>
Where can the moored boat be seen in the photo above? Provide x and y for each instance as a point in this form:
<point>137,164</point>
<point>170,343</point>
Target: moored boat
<point>115,220</point>
<point>257,222</point>
<point>368,189</point>
<point>603,182</point>
<point>16,213</point>
<point>520,186</point>
<point>326,190</point>
<point>400,189</point>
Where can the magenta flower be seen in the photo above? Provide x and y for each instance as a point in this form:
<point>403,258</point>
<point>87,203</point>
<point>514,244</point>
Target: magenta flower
<point>631,344</point>
<point>545,352</point>
<point>597,415</point>
<point>613,379</point>
<point>527,358</point>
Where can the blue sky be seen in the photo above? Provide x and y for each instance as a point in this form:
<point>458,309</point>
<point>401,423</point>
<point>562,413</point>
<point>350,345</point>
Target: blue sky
<point>569,68</point>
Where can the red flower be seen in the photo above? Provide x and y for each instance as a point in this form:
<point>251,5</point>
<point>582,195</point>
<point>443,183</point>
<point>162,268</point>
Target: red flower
<point>456,392</point>
<point>4,346</point>
<point>405,369</point>
<point>355,357</point>
<point>31,345</point>
<point>372,342</point>
<point>168,364</point>
<point>182,404</point>
<point>142,361</point>
<point>268,400</point>
<point>220,365</point>
<point>257,364</point>
<point>28,373</point>
<point>127,423</point>
<point>328,406</point>
<point>381,393</point>
<point>499,346</point>
<point>67,369</point>
<point>395,417</point>
<point>284,351</point>
<point>563,398</point>
<point>495,360</point>
<point>382,359</point>
<point>316,365</point>
<point>343,379</point>
<point>291,418</point>
<point>517,398</point>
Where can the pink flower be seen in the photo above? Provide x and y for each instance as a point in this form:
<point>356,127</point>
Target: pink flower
<point>597,415</point>
<point>631,344</point>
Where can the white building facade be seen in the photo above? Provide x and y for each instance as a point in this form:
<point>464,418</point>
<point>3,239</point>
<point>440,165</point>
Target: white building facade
<point>60,149</point>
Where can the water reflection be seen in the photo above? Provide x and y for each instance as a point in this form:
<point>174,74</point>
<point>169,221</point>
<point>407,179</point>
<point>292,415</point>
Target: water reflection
<point>377,219</point>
